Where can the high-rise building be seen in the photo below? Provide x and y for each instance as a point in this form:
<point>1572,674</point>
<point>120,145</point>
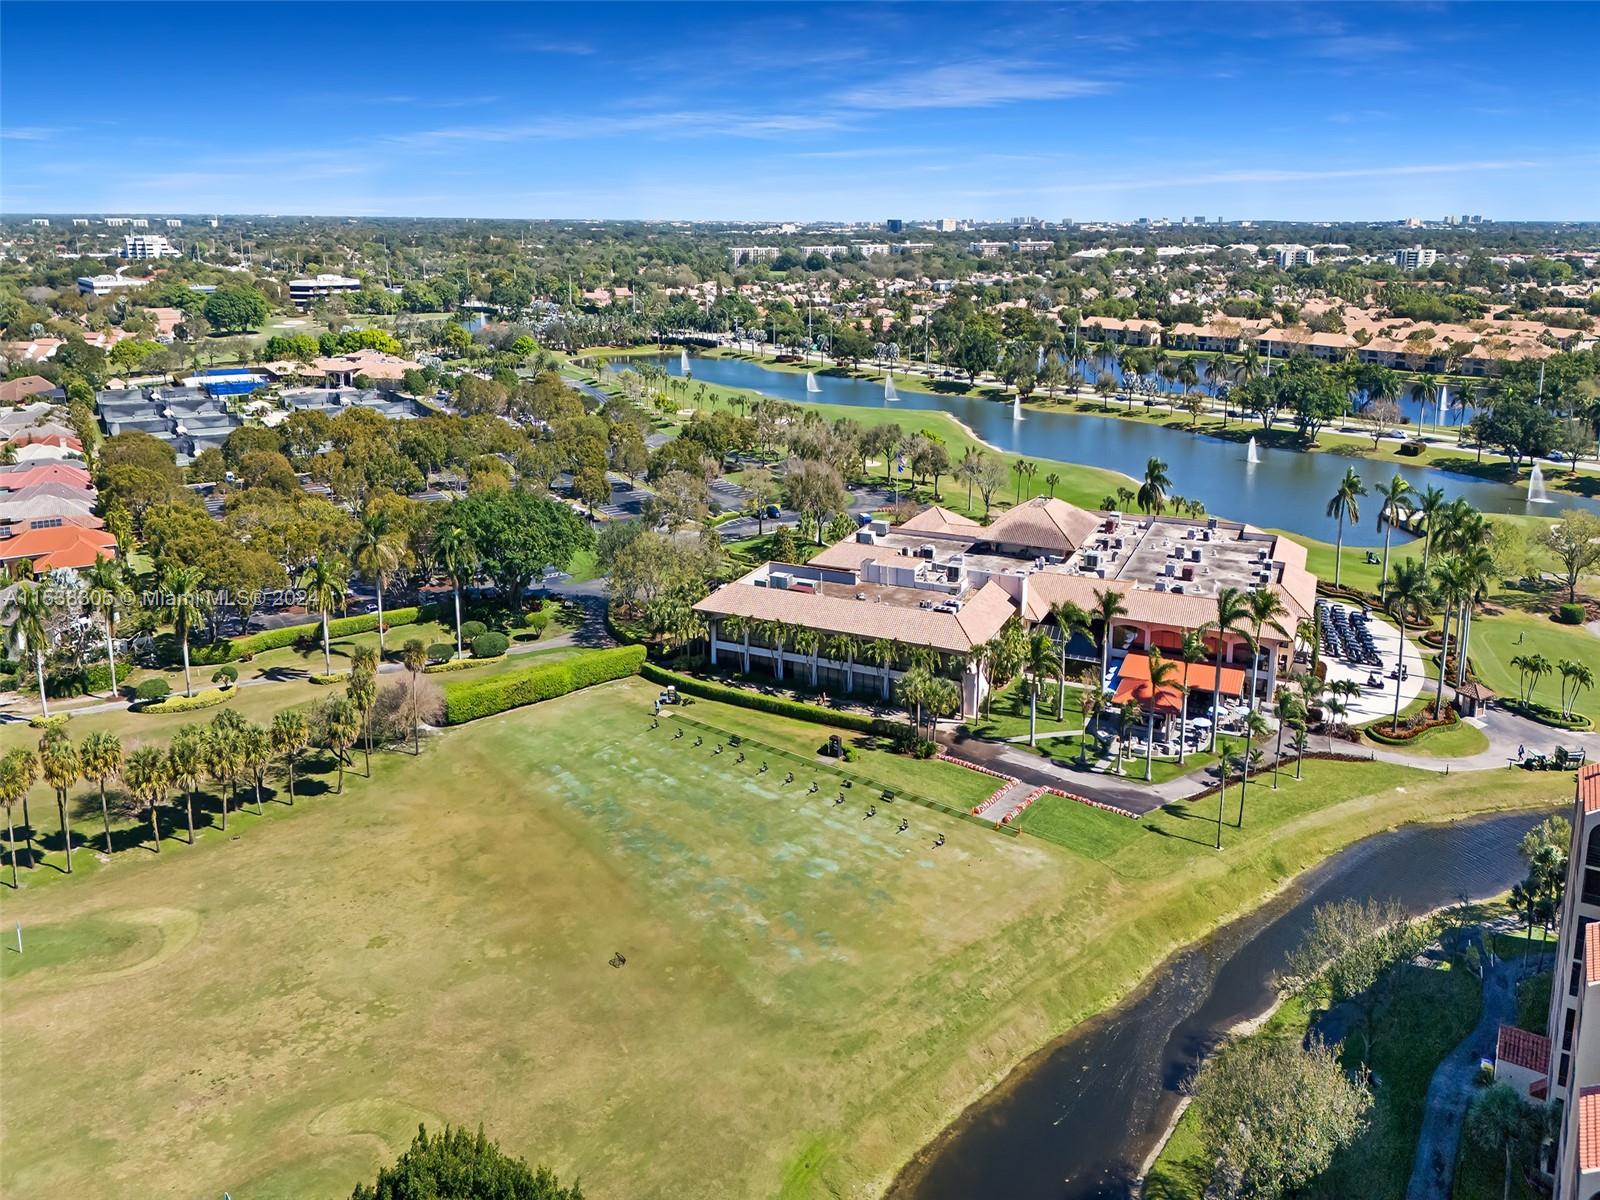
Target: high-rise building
<point>1415,257</point>
<point>1295,256</point>
<point>147,245</point>
<point>894,224</point>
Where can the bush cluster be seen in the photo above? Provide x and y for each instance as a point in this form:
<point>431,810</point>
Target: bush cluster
<point>154,688</point>
<point>483,698</point>
<point>490,645</point>
<point>1571,614</point>
<point>178,704</point>
<point>777,705</point>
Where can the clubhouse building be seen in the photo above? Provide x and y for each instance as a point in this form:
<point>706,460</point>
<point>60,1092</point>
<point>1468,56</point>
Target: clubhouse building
<point>944,583</point>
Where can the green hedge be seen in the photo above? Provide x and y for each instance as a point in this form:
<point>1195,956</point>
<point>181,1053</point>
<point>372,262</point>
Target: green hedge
<point>709,690</point>
<point>471,700</point>
<point>276,639</point>
<point>460,664</point>
<point>1571,614</point>
<point>178,704</point>
<point>1545,715</point>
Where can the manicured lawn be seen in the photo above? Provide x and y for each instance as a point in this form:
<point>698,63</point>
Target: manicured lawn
<point>1008,711</point>
<point>1456,741</point>
<point>1497,640</point>
<point>807,996</point>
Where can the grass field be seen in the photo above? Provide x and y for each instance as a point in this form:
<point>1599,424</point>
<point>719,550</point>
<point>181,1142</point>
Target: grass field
<point>1497,640</point>
<point>808,995</point>
<point>1456,741</point>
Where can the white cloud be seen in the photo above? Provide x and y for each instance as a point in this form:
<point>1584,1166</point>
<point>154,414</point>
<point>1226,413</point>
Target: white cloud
<point>967,85</point>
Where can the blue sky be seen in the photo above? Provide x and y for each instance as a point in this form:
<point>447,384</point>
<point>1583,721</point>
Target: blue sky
<point>768,111</point>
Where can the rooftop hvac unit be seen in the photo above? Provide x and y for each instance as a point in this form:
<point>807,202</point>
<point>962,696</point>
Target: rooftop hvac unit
<point>1211,524</point>
<point>953,571</point>
<point>1177,587</point>
<point>1167,569</point>
<point>925,550</point>
<point>866,537</point>
<point>1091,559</point>
<point>881,528</point>
<point>1161,585</point>
<point>780,579</point>
<point>1194,555</point>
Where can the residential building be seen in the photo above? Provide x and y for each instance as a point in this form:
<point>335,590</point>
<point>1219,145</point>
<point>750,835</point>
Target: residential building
<point>1572,1068</point>
<point>1033,246</point>
<point>909,247</point>
<point>987,249</point>
<point>343,369</point>
<point>305,292</point>
<point>29,387</point>
<point>44,221</point>
<point>740,255</point>
<point>80,222</point>
<point>145,245</point>
<point>116,222</point>
<point>1119,332</point>
<point>946,224</point>
<point>1414,257</point>
<point>174,223</point>
<point>1293,256</point>
<point>943,582</point>
<point>104,285</point>
<point>58,547</point>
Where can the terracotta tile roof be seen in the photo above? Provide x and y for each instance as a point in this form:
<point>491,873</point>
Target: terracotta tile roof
<point>65,546</point>
<point>1591,953</point>
<point>14,391</point>
<point>1589,787</point>
<point>936,519</point>
<point>1520,1048</point>
<point>1201,676</point>
<point>1044,524</point>
<point>1589,1129</point>
<point>979,620</point>
<point>52,472</point>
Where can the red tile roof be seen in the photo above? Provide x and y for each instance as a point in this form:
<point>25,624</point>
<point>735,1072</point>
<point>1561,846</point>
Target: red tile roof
<point>1589,787</point>
<point>1591,953</point>
<point>1522,1049</point>
<point>15,391</point>
<point>52,472</point>
<point>1589,1129</point>
<point>69,546</point>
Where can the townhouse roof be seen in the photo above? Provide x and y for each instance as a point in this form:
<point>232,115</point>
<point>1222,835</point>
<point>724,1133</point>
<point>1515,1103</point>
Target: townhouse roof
<point>978,620</point>
<point>69,474</point>
<point>59,497</point>
<point>937,519</point>
<point>1589,1129</point>
<point>36,507</point>
<point>71,546</point>
<point>1531,1051</point>
<point>372,363</point>
<point>1589,787</point>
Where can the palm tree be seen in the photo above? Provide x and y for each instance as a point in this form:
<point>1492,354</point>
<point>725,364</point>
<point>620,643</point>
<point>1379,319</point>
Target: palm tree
<point>1041,662</point>
<point>1429,505</point>
<point>1406,600</point>
<point>362,691</point>
<point>101,757</point>
<point>1052,481</point>
<point>1069,619</point>
<point>255,755</point>
<point>324,585</point>
<point>1452,585</point>
<point>16,777</point>
<point>456,554</point>
<point>289,735</point>
<point>342,725</point>
<point>1302,742</point>
<point>1088,706</point>
<point>1580,677</point>
<point>105,589</point>
<point>28,613</point>
<point>1153,491</point>
<point>376,554</point>
<point>1266,609</point>
<point>880,652</point>
<point>1288,709</point>
<point>220,750</point>
<point>808,642</point>
<point>58,759</point>
<point>1192,651</point>
<point>414,654</point>
<point>1107,608</point>
<point>1345,504</point>
<point>1232,612</point>
<point>181,595</point>
<point>145,773</point>
<point>186,760</point>
<point>1255,726</point>
<point>1161,675</point>
<point>1393,507</point>
<point>841,647</point>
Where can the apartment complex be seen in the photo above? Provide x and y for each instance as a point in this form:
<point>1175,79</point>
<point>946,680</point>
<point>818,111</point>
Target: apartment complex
<point>944,583</point>
<point>1414,257</point>
<point>305,292</point>
<point>146,245</point>
<point>1294,256</point>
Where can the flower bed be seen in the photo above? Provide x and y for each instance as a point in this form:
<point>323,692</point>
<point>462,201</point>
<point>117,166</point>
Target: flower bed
<point>1411,728</point>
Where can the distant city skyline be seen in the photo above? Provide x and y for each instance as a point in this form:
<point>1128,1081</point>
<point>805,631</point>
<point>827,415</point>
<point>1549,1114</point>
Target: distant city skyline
<point>813,113</point>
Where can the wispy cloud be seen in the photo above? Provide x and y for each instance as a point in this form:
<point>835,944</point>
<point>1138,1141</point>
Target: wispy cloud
<point>534,44</point>
<point>967,85</point>
<point>28,133</point>
<point>683,123</point>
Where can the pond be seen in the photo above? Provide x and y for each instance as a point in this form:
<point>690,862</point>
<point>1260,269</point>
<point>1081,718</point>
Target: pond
<point>1284,489</point>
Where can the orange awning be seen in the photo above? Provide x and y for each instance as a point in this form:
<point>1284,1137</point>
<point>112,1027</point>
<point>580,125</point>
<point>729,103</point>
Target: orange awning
<point>1200,677</point>
<point>1168,700</point>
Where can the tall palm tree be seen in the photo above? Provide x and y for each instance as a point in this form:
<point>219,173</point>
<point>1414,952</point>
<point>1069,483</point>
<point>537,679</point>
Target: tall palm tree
<point>808,642</point>
<point>1192,651</point>
<point>362,691</point>
<point>1345,503</point>
<point>1107,608</point>
<point>1394,505</point>
<point>1266,612</point>
<point>186,761</point>
<point>1041,662</point>
<point>1069,619</point>
<point>1232,613</point>
<point>1162,673</point>
<point>182,597</point>
<point>880,652</point>
<point>841,647</point>
<point>16,777</point>
<point>414,654</point>
<point>105,586</point>
<point>58,759</point>
<point>324,585</point>
<point>1406,599</point>
<point>1153,491</point>
<point>145,773</point>
<point>459,558</point>
<point>289,735</point>
<point>1452,584</point>
<point>255,755</point>
<point>101,757</point>
<point>1089,701</point>
<point>1429,505</point>
<point>1477,572</point>
<point>1576,677</point>
<point>28,613</point>
<point>376,553</point>
<point>1288,709</point>
<point>342,725</point>
<point>220,750</point>
<point>1255,726</point>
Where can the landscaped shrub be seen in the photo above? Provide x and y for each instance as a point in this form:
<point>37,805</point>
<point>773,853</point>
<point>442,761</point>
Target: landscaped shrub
<point>1570,614</point>
<point>227,675</point>
<point>1544,714</point>
<point>330,679</point>
<point>538,619</point>
<point>470,700</point>
<point>472,629</point>
<point>778,705</point>
<point>440,651</point>
<point>178,704</point>
<point>154,688</point>
<point>459,664</point>
<point>309,634</point>
<point>490,645</point>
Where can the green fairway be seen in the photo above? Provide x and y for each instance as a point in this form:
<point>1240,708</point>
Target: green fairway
<point>808,995</point>
<point>1497,640</point>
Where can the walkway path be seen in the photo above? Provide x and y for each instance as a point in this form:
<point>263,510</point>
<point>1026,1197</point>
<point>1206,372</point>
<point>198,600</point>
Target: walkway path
<point>1454,1082</point>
